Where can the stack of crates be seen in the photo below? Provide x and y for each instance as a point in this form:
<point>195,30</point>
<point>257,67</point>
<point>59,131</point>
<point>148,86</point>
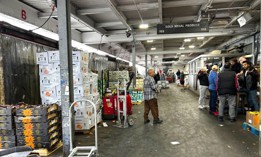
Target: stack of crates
<point>7,130</point>
<point>38,127</point>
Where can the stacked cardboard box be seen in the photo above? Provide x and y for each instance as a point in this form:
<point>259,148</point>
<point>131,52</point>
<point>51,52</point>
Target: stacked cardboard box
<point>7,127</point>
<point>85,83</point>
<point>136,96</point>
<point>252,117</point>
<point>139,84</point>
<point>115,76</point>
<point>38,126</point>
<point>50,81</point>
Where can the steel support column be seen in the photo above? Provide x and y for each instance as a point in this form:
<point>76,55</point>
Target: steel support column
<point>66,73</point>
<point>134,60</point>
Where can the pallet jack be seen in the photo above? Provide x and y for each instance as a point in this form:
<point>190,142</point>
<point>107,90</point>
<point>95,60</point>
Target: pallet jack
<point>83,151</point>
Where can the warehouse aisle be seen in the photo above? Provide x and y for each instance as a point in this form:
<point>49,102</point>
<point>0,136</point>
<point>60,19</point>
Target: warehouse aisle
<point>199,133</point>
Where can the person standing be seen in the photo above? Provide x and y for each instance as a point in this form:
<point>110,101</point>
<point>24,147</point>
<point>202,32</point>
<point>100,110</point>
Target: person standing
<point>182,78</point>
<point>235,66</point>
<point>150,98</point>
<point>212,79</point>
<point>203,81</point>
<point>227,86</point>
<point>178,74</point>
<point>250,79</point>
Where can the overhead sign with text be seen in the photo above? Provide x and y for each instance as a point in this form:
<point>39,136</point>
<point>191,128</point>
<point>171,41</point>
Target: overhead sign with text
<point>194,27</point>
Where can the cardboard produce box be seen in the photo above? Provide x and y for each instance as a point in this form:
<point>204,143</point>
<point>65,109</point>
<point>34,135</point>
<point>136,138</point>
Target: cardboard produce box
<point>7,138</point>
<point>37,132</point>
<point>7,144</point>
<point>36,119</point>
<point>6,119</point>
<point>6,126</point>
<point>6,111</point>
<point>253,118</point>
<point>37,145</point>
<point>37,111</point>
<point>38,138</point>
<point>7,132</point>
<point>38,126</point>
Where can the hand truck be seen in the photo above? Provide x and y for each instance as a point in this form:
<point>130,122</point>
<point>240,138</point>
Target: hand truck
<point>86,151</point>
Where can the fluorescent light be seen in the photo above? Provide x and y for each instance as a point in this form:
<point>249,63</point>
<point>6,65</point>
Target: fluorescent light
<point>200,38</point>
<point>187,40</point>
<point>182,55</point>
<point>182,48</point>
<point>144,26</point>
<point>191,46</point>
<point>153,48</point>
<point>150,41</point>
<point>156,57</point>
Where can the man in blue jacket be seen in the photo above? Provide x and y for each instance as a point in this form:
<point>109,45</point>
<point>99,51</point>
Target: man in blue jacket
<point>212,78</point>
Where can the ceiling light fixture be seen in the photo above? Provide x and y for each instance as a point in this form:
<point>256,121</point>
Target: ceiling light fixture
<point>187,40</point>
<point>150,41</point>
<point>153,48</point>
<point>182,48</point>
<point>200,38</point>
<point>156,57</point>
<point>191,46</point>
<point>142,25</point>
<point>182,56</point>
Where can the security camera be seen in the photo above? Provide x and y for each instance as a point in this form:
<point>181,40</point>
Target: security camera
<point>128,33</point>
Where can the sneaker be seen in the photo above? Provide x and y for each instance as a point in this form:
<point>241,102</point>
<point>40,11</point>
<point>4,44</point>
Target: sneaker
<point>157,121</point>
<point>233,120</point>
<point>200,107</point>
<point>220,119</point>
<point>147,121</point>
<point>215,113</point>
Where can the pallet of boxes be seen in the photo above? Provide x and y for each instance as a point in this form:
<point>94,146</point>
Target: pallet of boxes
<point>7,127</point>
<point>39,127</point>
<point>252,122</point>
<point>85,84</point>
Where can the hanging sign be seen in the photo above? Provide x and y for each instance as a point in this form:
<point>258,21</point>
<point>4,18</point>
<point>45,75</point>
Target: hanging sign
<point>194,27</point>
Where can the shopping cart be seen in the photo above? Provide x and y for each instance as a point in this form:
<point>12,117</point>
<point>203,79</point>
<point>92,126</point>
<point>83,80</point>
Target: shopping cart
<point>83,151</point>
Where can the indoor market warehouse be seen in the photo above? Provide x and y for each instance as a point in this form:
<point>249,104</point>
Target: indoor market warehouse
<point>130,78</point>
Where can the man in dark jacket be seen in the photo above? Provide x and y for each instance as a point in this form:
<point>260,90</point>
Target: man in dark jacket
<point>250,79</point>
<point>227,86</point>
<point>203,81</point>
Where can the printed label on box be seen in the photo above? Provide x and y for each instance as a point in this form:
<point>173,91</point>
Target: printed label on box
<point>42,58</point>
<point>53,56</point>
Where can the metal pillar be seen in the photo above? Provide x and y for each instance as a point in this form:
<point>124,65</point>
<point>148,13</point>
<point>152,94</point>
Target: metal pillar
<point>134,61</point>
<point>65,48</point>
<point>146,64</point>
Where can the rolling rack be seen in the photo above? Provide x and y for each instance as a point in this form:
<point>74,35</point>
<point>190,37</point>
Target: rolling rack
<point>83,151</point>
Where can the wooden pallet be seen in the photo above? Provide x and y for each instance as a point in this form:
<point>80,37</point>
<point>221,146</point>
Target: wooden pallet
<point>137,103</point>
<point>87,132</point>
<point>250,128</point>
<point>46,152</point>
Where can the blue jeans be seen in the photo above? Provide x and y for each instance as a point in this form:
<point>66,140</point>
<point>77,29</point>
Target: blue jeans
<point>213,100</point>
<point>252,99</point>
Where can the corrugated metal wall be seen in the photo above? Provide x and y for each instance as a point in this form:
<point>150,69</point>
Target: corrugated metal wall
<point>21,80</point>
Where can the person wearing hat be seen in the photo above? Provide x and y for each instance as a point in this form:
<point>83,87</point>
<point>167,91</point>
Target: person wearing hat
<point>203,81</point>
<point>212,79</point>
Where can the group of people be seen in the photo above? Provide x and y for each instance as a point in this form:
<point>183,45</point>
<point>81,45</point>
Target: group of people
<point>224,85</point>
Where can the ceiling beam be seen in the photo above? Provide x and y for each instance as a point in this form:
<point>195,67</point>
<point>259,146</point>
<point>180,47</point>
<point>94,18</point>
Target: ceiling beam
<point>141,6</point>
<point>173,52</point>
<point>94,38</point>
<point>236,38</point>
<point>185,3</point>
<point>160,10</point>
<point>205,42</point>
<point>81,18</point>
<point>93,11</point>
<point>119,14</point>
<point>108,24</point>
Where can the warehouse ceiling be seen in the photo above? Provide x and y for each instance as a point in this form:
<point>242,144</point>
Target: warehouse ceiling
<point>107,24</point>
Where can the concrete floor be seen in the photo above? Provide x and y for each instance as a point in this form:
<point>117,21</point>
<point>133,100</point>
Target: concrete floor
<point>199,134</point>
